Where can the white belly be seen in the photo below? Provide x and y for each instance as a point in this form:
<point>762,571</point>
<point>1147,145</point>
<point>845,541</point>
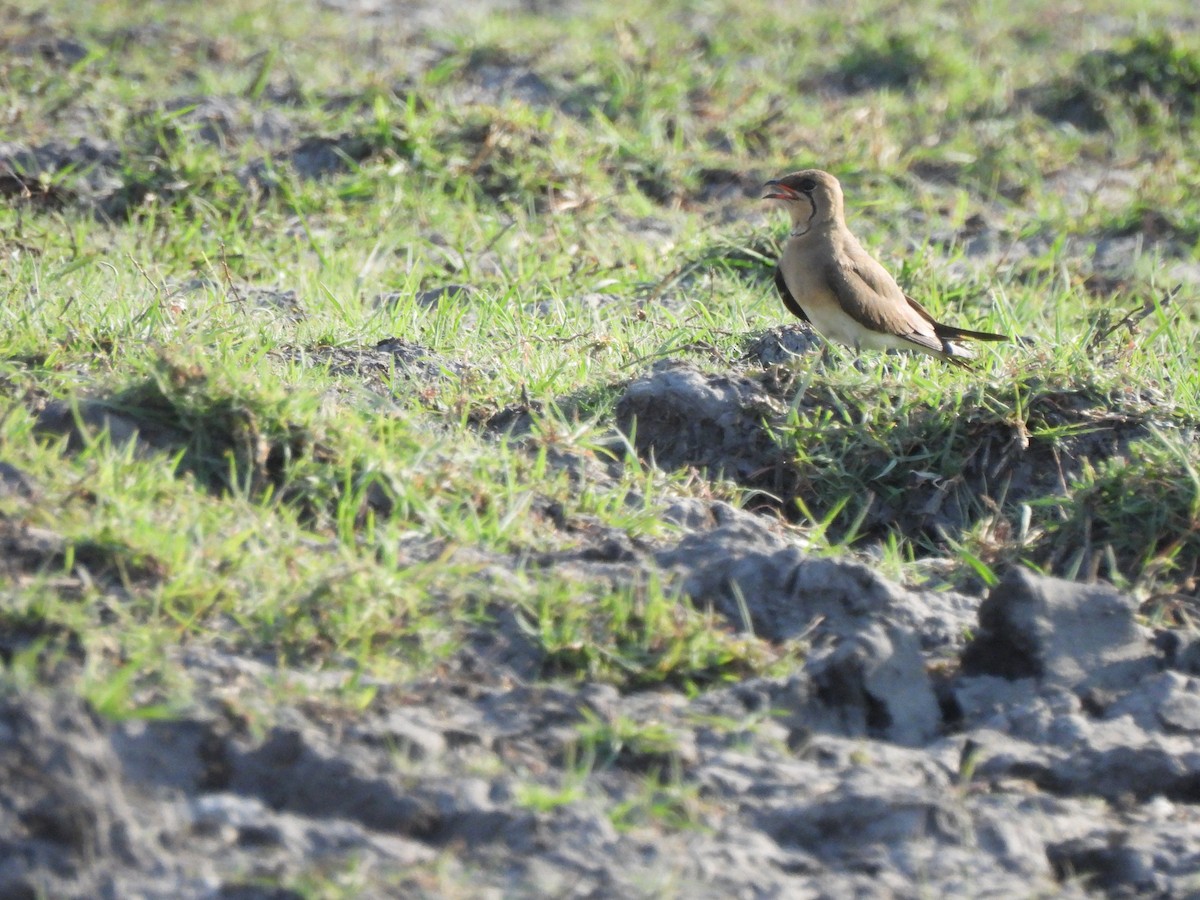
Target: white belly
<point>836,325</point>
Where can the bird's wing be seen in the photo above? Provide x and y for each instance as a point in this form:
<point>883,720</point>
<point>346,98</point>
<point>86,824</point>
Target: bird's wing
<point>951,331</point>
<point>871,297</point>
<point>786,296</point>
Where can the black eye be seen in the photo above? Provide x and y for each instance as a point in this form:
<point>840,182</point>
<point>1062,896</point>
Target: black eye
<point>807,186</point>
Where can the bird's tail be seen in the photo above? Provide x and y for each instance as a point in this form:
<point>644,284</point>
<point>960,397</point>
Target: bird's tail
<point>949,332</point>
<point>959,355</point>
<point>964,355</point>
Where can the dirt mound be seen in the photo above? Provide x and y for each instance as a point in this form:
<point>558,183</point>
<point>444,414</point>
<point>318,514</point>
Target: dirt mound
<point>935,476</point>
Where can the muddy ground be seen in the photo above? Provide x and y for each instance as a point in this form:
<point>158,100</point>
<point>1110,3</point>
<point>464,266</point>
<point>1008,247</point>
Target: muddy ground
<point>1034,738</point>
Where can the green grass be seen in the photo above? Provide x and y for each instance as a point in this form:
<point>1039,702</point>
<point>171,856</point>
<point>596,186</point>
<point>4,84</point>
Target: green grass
<point>300,513</point>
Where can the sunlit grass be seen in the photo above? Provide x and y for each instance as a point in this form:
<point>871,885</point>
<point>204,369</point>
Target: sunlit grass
<point>326,519</point>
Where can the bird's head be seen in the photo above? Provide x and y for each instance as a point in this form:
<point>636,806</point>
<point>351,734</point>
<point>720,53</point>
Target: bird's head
<point>813,197</point>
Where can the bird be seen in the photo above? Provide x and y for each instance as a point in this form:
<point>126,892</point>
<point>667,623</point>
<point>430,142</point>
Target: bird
<point>826,278</point>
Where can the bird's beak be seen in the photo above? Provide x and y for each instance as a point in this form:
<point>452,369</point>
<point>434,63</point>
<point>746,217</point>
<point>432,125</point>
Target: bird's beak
<point>777,190</point>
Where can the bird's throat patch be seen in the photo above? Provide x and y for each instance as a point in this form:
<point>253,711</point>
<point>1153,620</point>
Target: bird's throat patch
<point>797,231</point>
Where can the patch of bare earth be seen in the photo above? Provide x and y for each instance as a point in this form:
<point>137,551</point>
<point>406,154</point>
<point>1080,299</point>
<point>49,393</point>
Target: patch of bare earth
<point>827,779</point>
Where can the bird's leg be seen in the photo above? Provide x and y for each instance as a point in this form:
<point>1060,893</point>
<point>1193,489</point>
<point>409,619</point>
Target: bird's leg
<point>859,364</point>
<point>826,353</point>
